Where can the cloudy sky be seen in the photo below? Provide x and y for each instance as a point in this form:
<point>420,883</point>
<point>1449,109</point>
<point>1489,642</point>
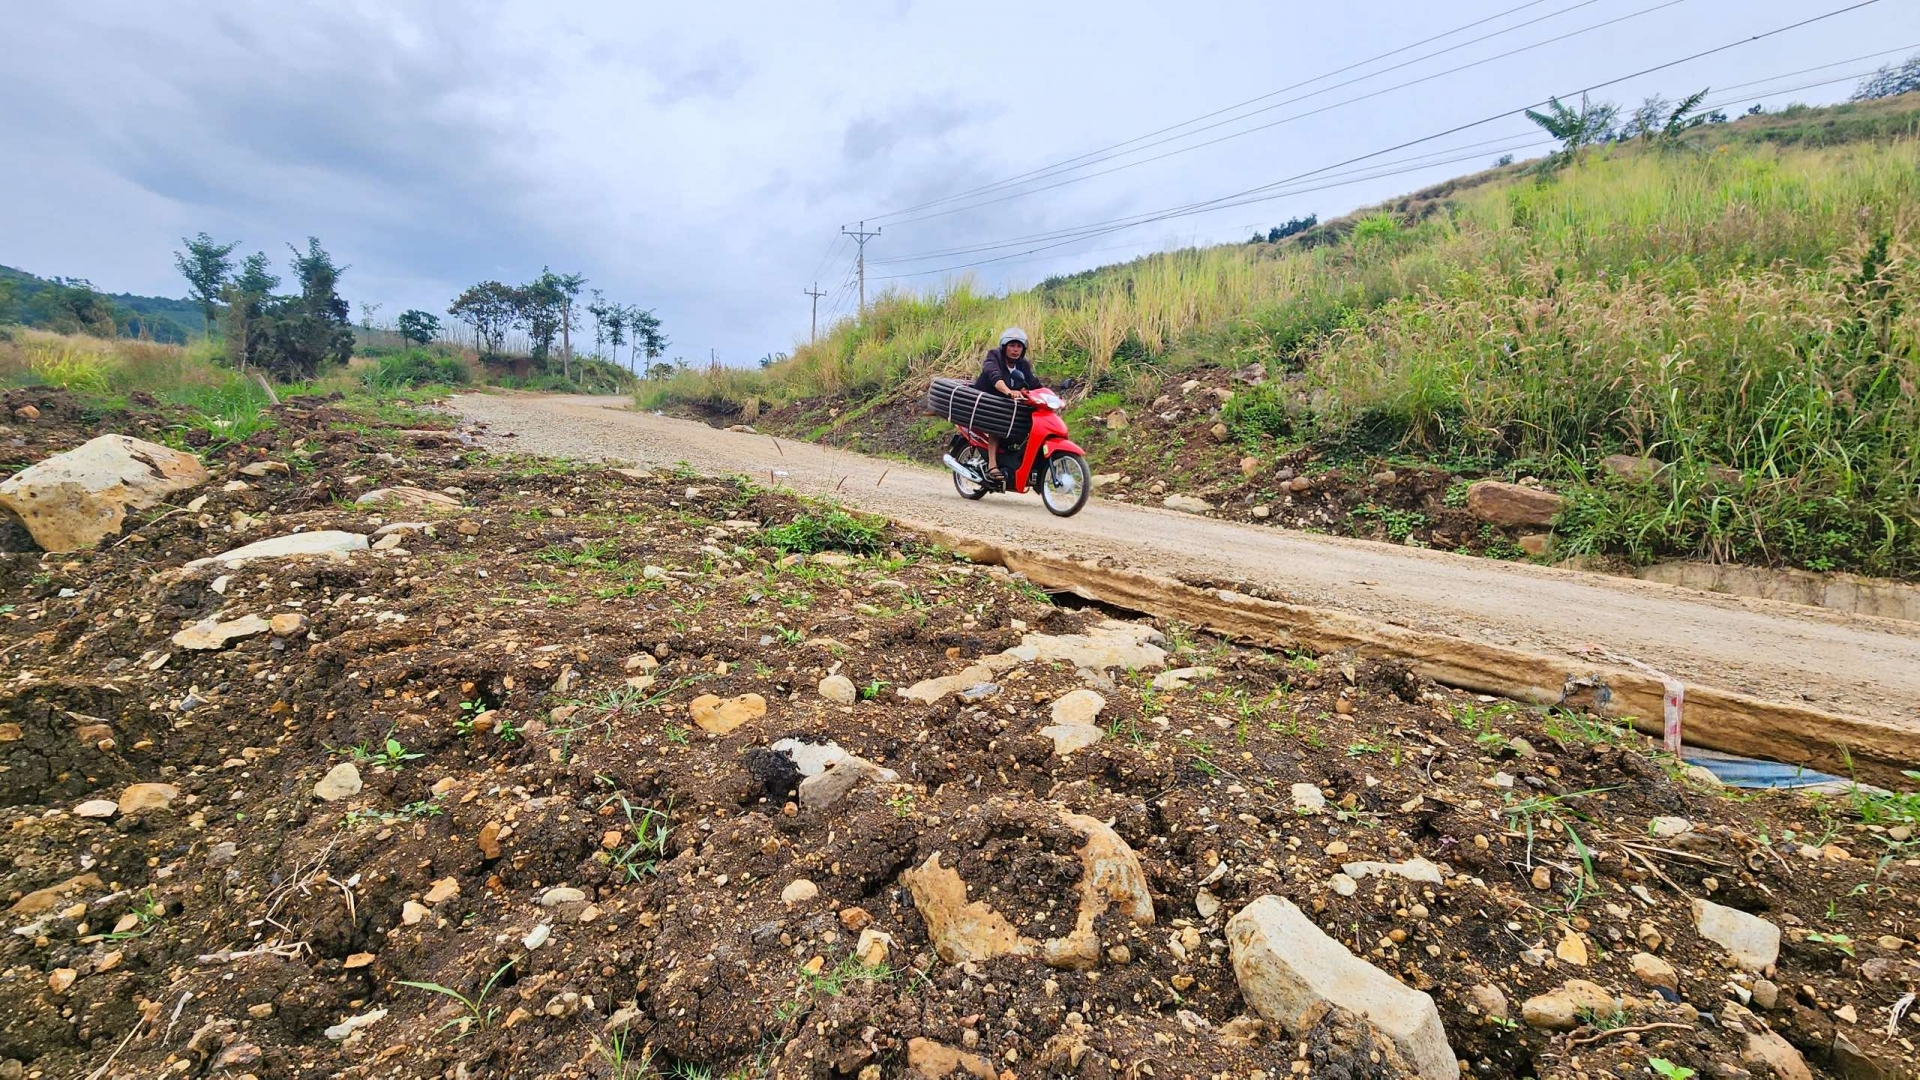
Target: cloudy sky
<point>700,159</point>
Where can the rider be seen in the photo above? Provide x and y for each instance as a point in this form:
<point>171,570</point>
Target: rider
<point>1006,370</point>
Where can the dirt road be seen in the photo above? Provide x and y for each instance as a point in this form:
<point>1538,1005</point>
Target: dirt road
<point>1852,665</point>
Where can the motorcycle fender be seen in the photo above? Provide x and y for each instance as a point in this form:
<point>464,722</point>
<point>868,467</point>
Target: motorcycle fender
<point>1063,446</point>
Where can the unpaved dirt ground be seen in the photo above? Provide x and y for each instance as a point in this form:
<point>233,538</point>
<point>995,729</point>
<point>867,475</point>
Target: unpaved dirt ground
<point>1849,664</point>
<point>559,702</point>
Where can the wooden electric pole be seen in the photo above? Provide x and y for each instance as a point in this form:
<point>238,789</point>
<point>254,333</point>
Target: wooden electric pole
<point>861,236</point>
<point>814,334</point>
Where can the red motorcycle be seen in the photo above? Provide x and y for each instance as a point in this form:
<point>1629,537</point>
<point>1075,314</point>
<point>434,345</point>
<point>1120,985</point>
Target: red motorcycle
<point>1048,460</point>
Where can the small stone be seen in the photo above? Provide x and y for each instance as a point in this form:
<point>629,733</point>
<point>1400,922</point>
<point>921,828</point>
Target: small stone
<point>1308,798</point>
<point>561,894</point>
<point>341,782</point>
<point>96,808</point>
<point>1491,1002</point>
<point>412,912</point>
<point>357,960</point>
<point>1777,1054</point>
<point>210,634</point>
<point>839,689</point>
<point>720,716</point>
<point>489,840</point>
<point>799,891</point>
<point>1344,885</point>
<point>1753,942</point>
<point>1654,972</point>
<point>855,919</point>
<point>1666,828</point>
<point>61,979</point>
<point>1572,949</point>
<point>1560,1010</point>
<point>444,889</point>
<point>288,624</point>
<point>537,936</point>
<point>260,1010</point>
<point>1846,1014</point>
<point>140,798</point>
<point>1766,994</point>
<point>1542,878</point>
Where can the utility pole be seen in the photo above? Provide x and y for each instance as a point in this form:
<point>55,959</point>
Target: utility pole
<point>814,334</point>
<point>861,236</point>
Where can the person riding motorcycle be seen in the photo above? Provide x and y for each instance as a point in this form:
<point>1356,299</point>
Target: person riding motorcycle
<point>1005,370</point>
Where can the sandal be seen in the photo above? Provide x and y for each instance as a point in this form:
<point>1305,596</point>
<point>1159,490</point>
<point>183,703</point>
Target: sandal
<point>995,476</point>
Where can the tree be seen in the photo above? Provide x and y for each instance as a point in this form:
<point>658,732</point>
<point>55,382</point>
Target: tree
<point>489,308</point>
<point>1647,120</point>
<point>206,266</point>
<point>537,309</point>
<point>597,308</point>
<point>647,338</point>
<point>418,326</point>
<point>569,290</point>
<point>1575,129</point>
<point>368,310</point>
<point>246,297</point>
<point>616,328</point>
<point>1682,118</point>
<point>1503,161</point>
<point>660,371</point>
<point>298,335</point>
<point>1890,80</point>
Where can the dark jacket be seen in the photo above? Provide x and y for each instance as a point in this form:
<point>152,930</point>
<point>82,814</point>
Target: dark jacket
<point>1018,374</point>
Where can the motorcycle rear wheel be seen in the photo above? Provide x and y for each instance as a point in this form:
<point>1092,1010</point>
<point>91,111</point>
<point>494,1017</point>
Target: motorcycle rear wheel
<point>972,457</point>
<point>1067,484</point>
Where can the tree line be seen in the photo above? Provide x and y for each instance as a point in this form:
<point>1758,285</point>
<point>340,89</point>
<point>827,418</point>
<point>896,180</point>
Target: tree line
<point>293,336</point>
<point>547,309</point>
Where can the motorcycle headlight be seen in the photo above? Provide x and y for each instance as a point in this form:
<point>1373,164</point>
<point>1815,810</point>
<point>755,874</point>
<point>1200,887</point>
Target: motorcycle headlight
<point>1048,398</point>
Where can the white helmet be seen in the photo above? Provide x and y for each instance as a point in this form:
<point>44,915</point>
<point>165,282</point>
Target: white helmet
<point>1013,333</point>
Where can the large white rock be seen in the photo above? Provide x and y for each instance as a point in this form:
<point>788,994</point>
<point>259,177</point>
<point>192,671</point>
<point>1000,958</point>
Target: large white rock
<point>74,500</point>
<point>1753,942</point>
<point>1286,965</point>
<point>328,542</point>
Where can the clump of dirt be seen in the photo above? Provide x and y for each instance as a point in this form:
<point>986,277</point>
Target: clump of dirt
<point>541,862</point>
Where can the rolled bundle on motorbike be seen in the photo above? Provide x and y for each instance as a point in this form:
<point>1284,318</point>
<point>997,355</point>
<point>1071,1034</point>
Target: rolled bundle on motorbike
<point>956,400</point>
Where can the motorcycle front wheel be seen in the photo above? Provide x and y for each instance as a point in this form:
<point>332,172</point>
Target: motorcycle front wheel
<point>1066,485</point>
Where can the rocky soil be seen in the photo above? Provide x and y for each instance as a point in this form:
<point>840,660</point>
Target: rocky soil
<point>564,770</point>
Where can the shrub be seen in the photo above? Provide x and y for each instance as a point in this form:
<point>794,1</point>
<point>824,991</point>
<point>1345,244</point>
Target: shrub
<point>830,529</point>
<point>413,368</point>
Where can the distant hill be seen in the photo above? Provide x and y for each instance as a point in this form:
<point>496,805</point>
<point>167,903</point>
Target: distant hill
<point>73,305</point>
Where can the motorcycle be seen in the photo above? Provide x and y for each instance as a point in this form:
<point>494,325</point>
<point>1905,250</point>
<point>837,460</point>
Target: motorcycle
<point>1047,460</point>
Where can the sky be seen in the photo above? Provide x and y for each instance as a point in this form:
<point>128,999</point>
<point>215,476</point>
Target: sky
<point>700,160</point>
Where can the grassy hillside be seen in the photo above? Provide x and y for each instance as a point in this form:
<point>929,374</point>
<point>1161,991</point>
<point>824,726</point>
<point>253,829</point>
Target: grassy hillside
<point>1743,310</point>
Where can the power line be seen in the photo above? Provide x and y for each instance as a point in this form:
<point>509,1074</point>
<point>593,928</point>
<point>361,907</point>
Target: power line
<point>1216,112</point>
<point>1217,203</point>
<point>1289,119</point>
<point>1368,175</point>
<point>1058,233</point>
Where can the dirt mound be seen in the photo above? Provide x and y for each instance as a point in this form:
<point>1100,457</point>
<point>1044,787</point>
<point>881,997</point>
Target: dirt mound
<point>548,869</point>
